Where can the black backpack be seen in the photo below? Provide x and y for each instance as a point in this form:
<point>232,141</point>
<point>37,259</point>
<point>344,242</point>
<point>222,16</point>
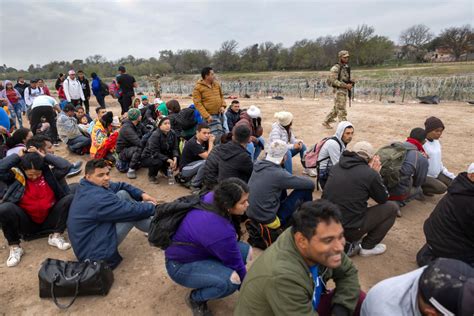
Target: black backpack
<point>104,89</point>
<point>185,118</point>
<point>167,218</point>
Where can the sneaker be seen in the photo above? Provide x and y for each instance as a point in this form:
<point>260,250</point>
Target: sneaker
<point>377,250</point>
<point>312,172</point>
<point>352,248</point>
<point>327,125</point>
<point>58,242</point>
<point>75,169</point>
<point>195,190</point>
<point>153,180</point>
<point>198,308</point>
<point>15,256</point>
<point>131,174</point>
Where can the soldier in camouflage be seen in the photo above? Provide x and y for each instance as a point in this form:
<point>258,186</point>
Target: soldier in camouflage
<point>340,80</point>
<point>155,82</point>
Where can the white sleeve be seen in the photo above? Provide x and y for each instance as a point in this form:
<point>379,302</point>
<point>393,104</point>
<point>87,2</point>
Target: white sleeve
<point>333,151</point>
<point>446,172</point>
<point>83,98</point>
<point>66,90</point>
<point>27,96</point>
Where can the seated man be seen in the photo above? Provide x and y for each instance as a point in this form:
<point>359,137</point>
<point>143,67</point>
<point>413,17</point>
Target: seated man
<point>290,277</point>
<point>34,202</point>
<point>269,203</point>
<point>331,150</point>
<point>351,183</point>
<point>229,160</point>
<point>438,178</point>
<point>252,118</point>
<point>449,230</point>
<point>131,141</point>
<point>233,114</point>
<point>413,170</point>
<point>103,213</point>
<point>70,133</point>
<point>99,111</point>
<point>195,152</point>
<point>445,287</point>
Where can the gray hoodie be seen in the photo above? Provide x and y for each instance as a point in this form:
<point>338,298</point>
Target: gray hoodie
<point>394,296</point>
<point>267,182</point>
<point>332,148</point>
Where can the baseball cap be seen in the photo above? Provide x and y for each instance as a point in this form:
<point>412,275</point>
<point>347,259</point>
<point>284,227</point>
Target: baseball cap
<point>343,53</point>
<point>364,149</point>
<point>448,285</point>
<point>144,97</point>
<point>277,151</point>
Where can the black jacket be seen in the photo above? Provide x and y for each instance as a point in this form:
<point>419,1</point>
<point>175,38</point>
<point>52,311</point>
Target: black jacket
<point>226,161</point>
<point>21,88</point>
<point>130,135</point>
<point>161,146</point>
<point>150,114</point>
<point>85,87</point>
<point>232,118</point>
<point>449,230</point>
<point>350,184</point>
<point>175,126</point>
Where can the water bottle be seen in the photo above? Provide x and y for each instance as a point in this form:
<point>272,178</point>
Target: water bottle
<point>170,176</point>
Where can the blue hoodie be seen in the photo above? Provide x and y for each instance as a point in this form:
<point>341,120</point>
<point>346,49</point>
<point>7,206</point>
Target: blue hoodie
<point>92,217</point>
<point>96,86</point>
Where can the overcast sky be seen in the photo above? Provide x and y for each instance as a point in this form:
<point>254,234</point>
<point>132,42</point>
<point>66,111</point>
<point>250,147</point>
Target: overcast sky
<point>37,32</point>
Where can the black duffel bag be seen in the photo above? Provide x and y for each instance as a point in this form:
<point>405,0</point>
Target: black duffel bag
<point>59,278</point>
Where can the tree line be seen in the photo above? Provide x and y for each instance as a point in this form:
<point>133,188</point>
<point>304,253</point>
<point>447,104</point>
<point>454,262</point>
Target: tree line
<point>365,46</point>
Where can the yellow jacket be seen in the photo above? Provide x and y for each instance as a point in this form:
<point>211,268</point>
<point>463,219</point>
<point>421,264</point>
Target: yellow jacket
<point>208,99</point>
<point>98,137</point>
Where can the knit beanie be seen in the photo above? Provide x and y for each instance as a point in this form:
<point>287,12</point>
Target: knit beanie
<point>254,112</point>
<point>433,123</point>
<point>284,118</point>
<point>276,151</point>
<point>133,114</point>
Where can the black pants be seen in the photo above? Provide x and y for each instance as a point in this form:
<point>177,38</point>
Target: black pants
<point>76,102</point>
<point>154,165</point>
<point>131,155</point>
<point>101,100</point>
<point>378,221</point>
<point>125,102</point>
<point>16,222</point>
<point>86,104</point>
<point>48,113</point>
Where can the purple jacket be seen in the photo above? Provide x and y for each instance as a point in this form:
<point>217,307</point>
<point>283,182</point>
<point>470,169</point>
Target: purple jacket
<point>212,236</point>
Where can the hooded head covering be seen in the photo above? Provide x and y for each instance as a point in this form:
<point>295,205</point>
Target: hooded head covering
<point>253,112</point>
<point>7,82</point>
<point>284,118</point>
<point>134,100</point>
<point>133,114</point>
<point>341,127</point>
<point>277,151</point>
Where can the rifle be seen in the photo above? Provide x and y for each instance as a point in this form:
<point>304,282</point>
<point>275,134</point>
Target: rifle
<point>349,92</point>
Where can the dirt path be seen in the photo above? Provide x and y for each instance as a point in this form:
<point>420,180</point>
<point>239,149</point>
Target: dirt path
<point>142,285</point>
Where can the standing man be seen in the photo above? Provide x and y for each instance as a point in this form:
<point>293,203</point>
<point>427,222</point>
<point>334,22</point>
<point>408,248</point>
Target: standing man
<point>340,80</point>
<point>126,83</point>
<point>86,89</point>
<point>209,101</point>
<point>31,93</point>
<point>73,89</point>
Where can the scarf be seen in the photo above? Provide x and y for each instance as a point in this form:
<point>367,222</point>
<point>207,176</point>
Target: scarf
<point>417,143</point>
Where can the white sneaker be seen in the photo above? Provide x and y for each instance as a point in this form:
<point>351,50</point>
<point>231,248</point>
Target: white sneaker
<point>312,172</point>
<point>58,242</point>
<point>15,256</point>
<point>377,250</point>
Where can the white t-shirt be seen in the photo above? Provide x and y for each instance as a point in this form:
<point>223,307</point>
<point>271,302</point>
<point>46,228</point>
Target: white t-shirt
<point>433,149</point>
<point>44,100</point>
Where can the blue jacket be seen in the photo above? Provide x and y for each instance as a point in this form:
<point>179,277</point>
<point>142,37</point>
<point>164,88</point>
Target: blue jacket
<point>96,86</point>
<point>92,217</point>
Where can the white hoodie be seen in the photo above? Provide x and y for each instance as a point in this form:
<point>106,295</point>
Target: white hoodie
<point>333,149</point>
<point>73,89</point>
<point>433,149</point>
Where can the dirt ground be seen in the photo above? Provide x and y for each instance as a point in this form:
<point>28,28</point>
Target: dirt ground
<point>142,285</point>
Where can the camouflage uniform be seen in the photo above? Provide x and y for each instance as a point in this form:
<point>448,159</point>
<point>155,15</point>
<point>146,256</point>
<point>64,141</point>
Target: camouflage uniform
<point>155,82</point>
<point>339,109</point>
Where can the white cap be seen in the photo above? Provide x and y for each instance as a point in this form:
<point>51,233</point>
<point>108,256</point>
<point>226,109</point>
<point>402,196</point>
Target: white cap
<point>471,168</point>
<point>253,111</point>
<point>276,151</point>
<point>284,118</point>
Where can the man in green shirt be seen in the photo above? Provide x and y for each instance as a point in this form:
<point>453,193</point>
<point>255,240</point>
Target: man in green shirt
<point>290,277</point>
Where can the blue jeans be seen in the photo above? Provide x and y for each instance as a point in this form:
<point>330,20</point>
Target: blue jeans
<point>16,113</point>
<point>210,278</point>
<point>289,203</point>
<point>290,154</point>
<point>123,229</point>
<point>78,143</point>
<point>255,151</point>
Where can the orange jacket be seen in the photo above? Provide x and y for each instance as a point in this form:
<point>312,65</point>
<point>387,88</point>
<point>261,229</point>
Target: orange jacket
<point>208,99</point>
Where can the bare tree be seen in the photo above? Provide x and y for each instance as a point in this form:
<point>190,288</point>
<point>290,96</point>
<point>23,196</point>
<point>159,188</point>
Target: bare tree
<point>459,39</point>
<point>414,39</point>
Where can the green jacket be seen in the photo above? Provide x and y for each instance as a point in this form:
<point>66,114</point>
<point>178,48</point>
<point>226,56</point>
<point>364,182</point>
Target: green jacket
<point>279,283</point>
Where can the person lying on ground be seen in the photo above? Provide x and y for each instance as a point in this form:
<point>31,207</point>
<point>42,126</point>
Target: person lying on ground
<point>70,133</point>
<point>352,181</point>
<point>444,287</point>
<point>413,170</point>
<point>270,205</point>
<point>103,213</point>
<point>195,152</point>
<point>16,142</point>
<point>205,253</point>
<point>332,149</point>
<point>449,229</point>
<point>290,277</point>
<point>438,178</point>
<point>229,160</point>
<point>34,203</point>
<point>161,151</point>
<point>282,130</point>
<point>252,118</point>
<point>131,141</point>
